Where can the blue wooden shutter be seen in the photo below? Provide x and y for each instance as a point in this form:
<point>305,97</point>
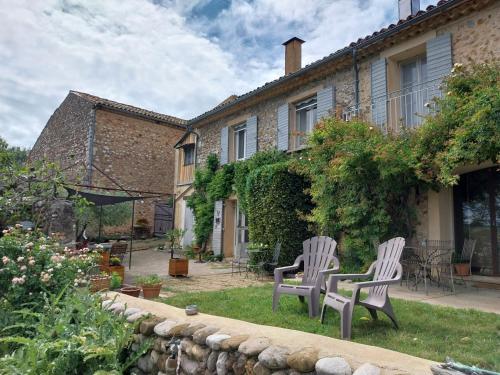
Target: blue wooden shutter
<point>224,146</point>
<point>283,113</point>
<point>217,228</point>
<point>326,102</point>
<point>379,93</point>
<point>251,146</point>
<point>439,61</point>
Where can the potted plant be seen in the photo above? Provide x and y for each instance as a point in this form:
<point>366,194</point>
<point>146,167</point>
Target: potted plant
<point>133,291</point>
<point>461,266</point>
<point>104,253</point>
<point>176,266</point>
<point>115,265</point>
<point>100,282</point>
<point>116,281</point>
<point>151,285</point>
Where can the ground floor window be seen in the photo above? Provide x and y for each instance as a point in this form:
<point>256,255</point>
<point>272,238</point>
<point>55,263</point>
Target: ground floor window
<point>477,216</point>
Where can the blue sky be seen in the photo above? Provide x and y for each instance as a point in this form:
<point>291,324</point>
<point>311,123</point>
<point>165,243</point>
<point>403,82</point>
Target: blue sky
<point>179,57</point>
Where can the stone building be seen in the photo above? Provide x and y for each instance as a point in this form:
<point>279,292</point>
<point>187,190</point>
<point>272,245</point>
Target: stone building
<point>386,78</point>
<point>105,144</point>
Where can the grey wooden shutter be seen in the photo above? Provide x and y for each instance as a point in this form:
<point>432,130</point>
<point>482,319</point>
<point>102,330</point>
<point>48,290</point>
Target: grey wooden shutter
<point>283,113</point>
<point>439,61</point>
<point>251,146</point>
<point>325,102</point>
<point>379,92</point>
<point>224,146</point>
<point>217,228</point>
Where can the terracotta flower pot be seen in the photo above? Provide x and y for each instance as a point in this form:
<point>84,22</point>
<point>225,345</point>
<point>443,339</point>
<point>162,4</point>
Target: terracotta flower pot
<point>178,267</point>
<point>120,270</point>
<point>151,291</point>
<point>461,269</point>
<point>133,291</point>
<point>104,258</point>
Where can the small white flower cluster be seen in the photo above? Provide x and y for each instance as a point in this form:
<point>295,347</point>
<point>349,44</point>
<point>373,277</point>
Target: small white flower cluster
<point>45,277</point>
<point>19,280</point>
<point>5,259</point>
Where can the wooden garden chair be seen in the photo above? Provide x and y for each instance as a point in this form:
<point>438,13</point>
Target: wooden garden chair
<point>386,270</point>
<point>318,254</point>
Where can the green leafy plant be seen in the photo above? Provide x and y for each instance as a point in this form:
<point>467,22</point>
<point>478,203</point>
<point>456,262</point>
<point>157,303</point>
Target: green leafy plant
<point>116,281</point>
<point>115,261</point>
<point>149,280</point>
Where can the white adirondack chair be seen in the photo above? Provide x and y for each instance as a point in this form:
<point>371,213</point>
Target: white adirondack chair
<point>386,270</point>
<point>318,254</point>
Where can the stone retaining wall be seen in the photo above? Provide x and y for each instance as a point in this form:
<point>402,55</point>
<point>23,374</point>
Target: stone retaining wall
<point>207,349</point>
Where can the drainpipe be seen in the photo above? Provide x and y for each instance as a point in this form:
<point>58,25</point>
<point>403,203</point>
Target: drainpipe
<point>356,78</point>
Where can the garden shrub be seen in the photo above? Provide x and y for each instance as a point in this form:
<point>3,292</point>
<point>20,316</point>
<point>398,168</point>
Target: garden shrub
<point>276,204</point>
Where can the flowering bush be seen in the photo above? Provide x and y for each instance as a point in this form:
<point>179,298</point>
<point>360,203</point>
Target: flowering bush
<point>33,264</point>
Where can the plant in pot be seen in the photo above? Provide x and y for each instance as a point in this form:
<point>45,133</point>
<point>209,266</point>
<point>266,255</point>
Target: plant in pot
<point>104,253</point>
<point>99,282</point>
<point>461,266</point>
<point>115,265</point>
<point>151,285</point>
<point>115,282</point>
<point>176,266</point>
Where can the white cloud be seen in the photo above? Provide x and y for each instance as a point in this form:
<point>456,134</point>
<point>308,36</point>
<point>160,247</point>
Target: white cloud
<point>156,54</point>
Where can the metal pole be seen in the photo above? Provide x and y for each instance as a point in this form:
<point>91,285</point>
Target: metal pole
<point>100,223</point>
<point>131,235</point>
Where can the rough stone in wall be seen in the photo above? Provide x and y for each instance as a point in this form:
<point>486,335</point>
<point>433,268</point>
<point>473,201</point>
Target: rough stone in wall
<point>204,350</point>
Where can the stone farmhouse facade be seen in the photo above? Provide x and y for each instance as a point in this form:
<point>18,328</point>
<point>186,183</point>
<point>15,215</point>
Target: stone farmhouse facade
<point>385,78</point>
<point>109,145</point>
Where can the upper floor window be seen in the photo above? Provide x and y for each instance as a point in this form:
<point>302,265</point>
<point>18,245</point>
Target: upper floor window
<point>240,141</point>
<point>414,91</point>
<point>188,154</point>
<point>305,119</point>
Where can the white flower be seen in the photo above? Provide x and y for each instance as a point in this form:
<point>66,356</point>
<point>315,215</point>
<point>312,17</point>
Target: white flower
<point>20,259</point>
<point>23,268</point>
<point>31,262</point>
<point>19,226</point>
<point>58,265</point>
<point>29,244</point>
<point>5,259</point>
<point>43,247</point>
<point>5,231</point>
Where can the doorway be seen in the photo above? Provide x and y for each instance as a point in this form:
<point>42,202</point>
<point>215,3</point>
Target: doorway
<point>241,232</point>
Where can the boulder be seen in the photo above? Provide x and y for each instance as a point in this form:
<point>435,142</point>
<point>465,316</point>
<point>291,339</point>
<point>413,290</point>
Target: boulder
<point>163,328</point>
<point>212,360</point>
<point>367,369</point>
<point>333,366</point>
<point>189,366</point>
<point>200,353</point>
<point>249,365</point>
<point>131,310</point>
<point>147,326</point>
<point>191,329</point>
<point>135,317</point>
<point>221,363</point>
<point>233,342</point>
<point>117,307</point>
<point>187,346</point>
<point>303,360</point>
<point>214,341</point>
<point>239,365</point>
<point>145,363</point>
<point>274,357</point>
<point>200,336</point>
<point>254,346</point>
<point>260,369</point>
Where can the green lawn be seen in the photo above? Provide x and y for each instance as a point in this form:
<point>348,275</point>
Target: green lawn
<point>426,331</point>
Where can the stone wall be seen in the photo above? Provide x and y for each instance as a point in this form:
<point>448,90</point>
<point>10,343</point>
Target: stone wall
<point>136,153</point>
<point>64,140</point>
<point>267,114</point>
<point>210,345</point>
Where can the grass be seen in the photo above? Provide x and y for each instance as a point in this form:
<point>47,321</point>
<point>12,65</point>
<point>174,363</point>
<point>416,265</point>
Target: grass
<point>426,331</point>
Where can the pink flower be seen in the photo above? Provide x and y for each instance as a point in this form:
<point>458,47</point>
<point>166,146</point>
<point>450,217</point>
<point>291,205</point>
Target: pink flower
<point>5,259</point>
<point>31,262</point>
<point>18,280</point>
<point>23,268</point>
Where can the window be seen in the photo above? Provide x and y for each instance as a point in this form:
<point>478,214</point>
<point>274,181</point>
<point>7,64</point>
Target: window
<point>240,141</point>
<point>305,119</point>
<point>414,91</point>
<point>189,154</point>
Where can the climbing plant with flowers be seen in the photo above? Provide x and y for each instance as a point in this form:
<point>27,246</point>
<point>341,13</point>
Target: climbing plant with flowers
<point>33,265</point>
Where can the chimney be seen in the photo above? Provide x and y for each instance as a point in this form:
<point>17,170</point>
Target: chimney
<point>407,8</point>
<point>293,55</point>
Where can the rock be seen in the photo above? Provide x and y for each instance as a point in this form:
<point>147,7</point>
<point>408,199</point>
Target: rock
<point>145,363</point>
<point>131,310</point>
<point>160,345</point>
<point>147,326</point>
<point>135,347</point>
<point>254,346</point>
<point>135,317</point>
<point>274,357</point>
<point>232,343</point>
<point>221,363</point>
<point>303,360</point>
<point>212,360</point>
<point>295,372</point>
<point>200,336</point>
<point>239,364</point>
<point>163,328</point>
<point>187,346</point>
<point>231,360</point>
<point>162,362</point>
<point>333,366</point>
<point>155,356</point>
<point>199,353</point>
<point>260,369</point>
<point>191,329</point>
<point>213,341</point>
<point>176,330</point>
<point>281,372</point>
<point>136,371</point>
<point>189,366</point>
<point>138,338</point>
<point>367,369</point>
<point>106,304</point>
<point>249,366</point>
<point>171,366</point>
<point>117,307</point>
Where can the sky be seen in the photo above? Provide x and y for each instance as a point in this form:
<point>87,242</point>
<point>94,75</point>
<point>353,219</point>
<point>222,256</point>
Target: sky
<point>177,57</point>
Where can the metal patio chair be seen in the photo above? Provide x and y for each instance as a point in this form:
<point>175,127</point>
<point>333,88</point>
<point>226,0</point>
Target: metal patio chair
<point>318,254</point>
<point>386,270</point>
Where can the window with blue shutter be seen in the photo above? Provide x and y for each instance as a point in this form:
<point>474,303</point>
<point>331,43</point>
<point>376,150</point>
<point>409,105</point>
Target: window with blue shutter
<point>283,120</point>
<point>224,146</point>
<point>439,61</point>
<point>325,102</point>
<point>379,93</point>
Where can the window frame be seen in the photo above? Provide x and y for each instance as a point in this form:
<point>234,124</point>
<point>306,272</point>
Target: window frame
<point>190,146</point>
<point>236,130</point>
<point>304,106</point>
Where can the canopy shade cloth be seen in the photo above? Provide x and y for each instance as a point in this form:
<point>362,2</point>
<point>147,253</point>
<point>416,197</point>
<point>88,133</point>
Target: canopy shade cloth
<point>104,199</point>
